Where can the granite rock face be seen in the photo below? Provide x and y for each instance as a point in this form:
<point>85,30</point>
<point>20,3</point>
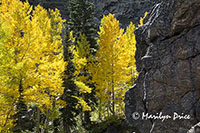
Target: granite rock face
<point>168,60</point>
<point>124,10</point>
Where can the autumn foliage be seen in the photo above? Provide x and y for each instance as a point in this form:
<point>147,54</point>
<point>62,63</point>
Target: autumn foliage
<point>31,61</point>
<point>114,66</point>
<point>32,64</point>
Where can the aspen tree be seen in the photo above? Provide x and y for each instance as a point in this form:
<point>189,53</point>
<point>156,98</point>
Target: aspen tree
<point>33,72</point>
<point>114,66</point>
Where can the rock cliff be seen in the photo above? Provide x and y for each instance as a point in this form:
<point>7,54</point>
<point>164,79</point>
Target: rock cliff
<point>166,95</point>
<point>124,10</point>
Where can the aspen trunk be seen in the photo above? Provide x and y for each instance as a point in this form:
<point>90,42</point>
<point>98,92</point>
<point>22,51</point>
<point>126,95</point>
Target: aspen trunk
<point>38,121</point>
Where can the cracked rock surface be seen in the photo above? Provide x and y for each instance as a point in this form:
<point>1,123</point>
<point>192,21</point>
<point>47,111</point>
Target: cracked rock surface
<point>124,10</point>
<point>168,60</point>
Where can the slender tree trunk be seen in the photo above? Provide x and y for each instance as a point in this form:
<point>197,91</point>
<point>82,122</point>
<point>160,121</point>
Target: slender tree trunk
<point>87,120</point>
<point>100,108</point>
<point>113,92</point>
<point>46,130</point>
<point>66,126</point>
<point>108,113</point>
<point>87,117</point>
<point>81,117</point>
<point>112,82</point>
<point>55,121</point>
<point>113,100</point>
<point>56,124</point>
<point>38,121</point>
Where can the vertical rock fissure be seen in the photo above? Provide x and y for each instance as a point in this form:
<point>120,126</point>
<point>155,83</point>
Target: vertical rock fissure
<point>144,90</point>
<point>145,99</point>
<point>153,14</point>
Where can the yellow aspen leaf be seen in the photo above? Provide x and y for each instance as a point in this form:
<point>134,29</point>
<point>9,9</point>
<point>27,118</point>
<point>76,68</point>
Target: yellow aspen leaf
<point>142,19</point>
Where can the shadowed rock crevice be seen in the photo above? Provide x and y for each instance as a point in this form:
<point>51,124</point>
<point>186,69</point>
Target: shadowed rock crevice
<point>168,60</point>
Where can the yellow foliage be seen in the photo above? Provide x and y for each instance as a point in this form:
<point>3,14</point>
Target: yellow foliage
<point>131,46</point>
<point>83,87</point>
<point>142,19</point>
<point>80,61</point>
<point>114,66</point>
<point>32,58</point>
<point>71,37</point>
<point>83,104</point>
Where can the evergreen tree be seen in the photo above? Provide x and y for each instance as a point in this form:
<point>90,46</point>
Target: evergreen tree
<point>81,14</point>
<point>81,59</point>
<point>80,22</point>
<point>70,111</point>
